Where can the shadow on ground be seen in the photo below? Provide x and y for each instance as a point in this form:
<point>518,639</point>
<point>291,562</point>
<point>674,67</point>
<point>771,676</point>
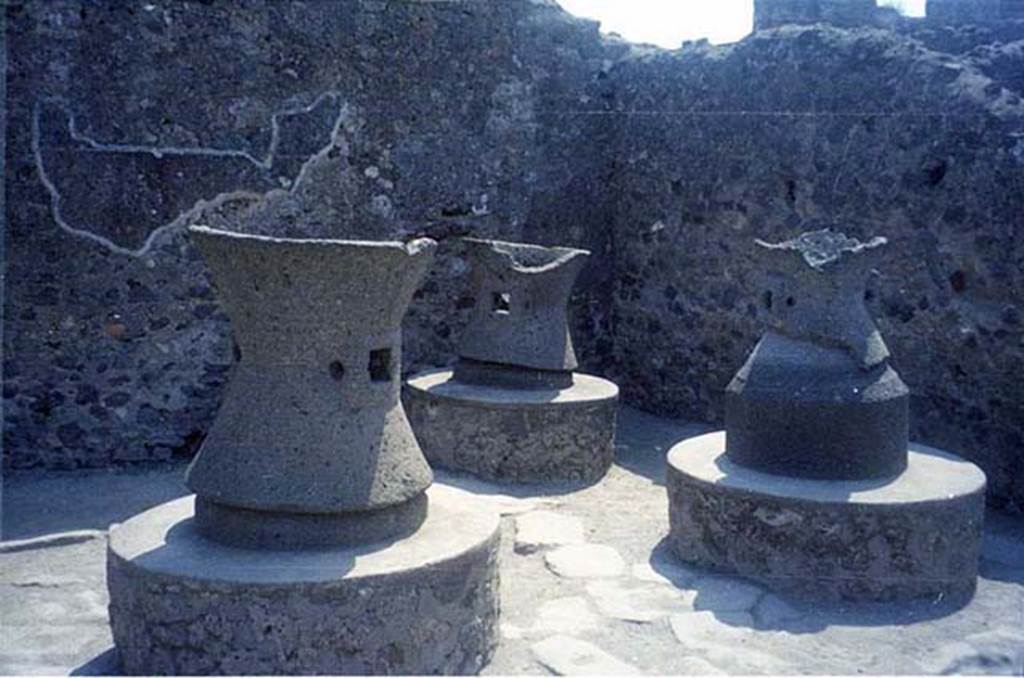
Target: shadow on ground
<point>643,440</point>
<point>107,663</point>
<point>717,593</point>
<point>40,503</point>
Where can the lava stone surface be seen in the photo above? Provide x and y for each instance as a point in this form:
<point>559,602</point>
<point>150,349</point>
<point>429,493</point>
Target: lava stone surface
<point>916,535</point>
<point>180,604</point>
<point>522,435</point>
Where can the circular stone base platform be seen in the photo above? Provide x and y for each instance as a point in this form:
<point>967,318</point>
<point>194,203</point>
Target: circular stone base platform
<point>914,535</point>
<point>525,435</point>
<point>428,603</point>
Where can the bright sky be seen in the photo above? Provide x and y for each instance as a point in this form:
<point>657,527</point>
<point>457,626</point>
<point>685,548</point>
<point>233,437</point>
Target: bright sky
<point>669,22</point>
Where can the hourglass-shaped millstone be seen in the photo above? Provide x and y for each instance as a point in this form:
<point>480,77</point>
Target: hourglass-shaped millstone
<point>351,562</point>
<point>311,445</point>
<point>817,398</point>
<point>518,334</point>
<point>513,408</point>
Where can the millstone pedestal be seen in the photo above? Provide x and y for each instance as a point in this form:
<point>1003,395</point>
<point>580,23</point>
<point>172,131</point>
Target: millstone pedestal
<point>813,486</point>
<point>513,408</point>
<point>314,542</point>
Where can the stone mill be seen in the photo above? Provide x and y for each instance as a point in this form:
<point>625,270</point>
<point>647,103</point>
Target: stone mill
<point>513,407</point>
<point>813,486</point>
<point>314,542</point>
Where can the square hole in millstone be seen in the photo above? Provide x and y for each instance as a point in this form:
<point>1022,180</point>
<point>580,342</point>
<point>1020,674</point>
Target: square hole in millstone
<point>337,370</point>
<point>380,364</point>
<point>501,302</point>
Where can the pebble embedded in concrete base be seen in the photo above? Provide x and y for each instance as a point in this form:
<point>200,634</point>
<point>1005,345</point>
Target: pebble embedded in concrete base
<point>543,530</point>
<point>585,560</point>
<point>568,656</point>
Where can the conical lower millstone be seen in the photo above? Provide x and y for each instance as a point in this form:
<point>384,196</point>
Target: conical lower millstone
<point>311,444</point>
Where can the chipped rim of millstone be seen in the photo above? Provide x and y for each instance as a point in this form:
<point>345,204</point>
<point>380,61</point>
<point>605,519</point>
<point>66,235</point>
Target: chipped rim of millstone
<point>820,248</point>
<point>511,251</point>
<point>412,247</point>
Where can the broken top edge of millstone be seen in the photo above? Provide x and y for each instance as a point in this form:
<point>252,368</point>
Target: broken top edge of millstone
<point>411,247</point>
<point>823,247</point>
<point>524,257</point>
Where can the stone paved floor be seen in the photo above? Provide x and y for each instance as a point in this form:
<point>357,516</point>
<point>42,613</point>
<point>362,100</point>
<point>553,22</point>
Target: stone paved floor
<point>587,586</point>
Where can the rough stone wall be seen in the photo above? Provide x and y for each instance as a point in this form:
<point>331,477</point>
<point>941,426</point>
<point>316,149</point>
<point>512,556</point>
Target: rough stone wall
<point>508,119</point>
<point>366,119</point>
<point>852,13</point>
<point>864,128</point>
<point>959,11</point>
<point>775,13</point>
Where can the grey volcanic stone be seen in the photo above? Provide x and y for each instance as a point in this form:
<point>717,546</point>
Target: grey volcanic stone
<point>468,371</point>
<point>774,13</point>
<point>258,529</point>
<point>526,435</point>
<point>967,11</point>
<point>311,421</point>
<point>521,293</point>
<point>816,292</point>
<point>915,535</point>
<point>817,397</point>
<point>799,409</point>
<point>180,604</point>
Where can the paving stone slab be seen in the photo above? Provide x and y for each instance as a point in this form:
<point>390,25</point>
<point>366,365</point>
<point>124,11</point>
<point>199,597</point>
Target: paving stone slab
<point>567,656</point>
<point>543,530</point>
<point>53,605</point>
<point>568,615</point>
<point>585,560</point>
<point>727,640</point>
<point>641,603</point>
<point>725,594</point>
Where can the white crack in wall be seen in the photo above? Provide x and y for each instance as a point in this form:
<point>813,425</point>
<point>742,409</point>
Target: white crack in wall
<point>202,205</point>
